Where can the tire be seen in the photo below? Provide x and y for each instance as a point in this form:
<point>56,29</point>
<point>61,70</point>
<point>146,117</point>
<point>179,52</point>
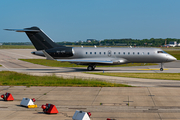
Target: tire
<point>161,69</point>
<point>90,68</point>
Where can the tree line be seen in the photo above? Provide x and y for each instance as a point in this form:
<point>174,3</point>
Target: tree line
<point>154,42</point>
<point>124,42</point>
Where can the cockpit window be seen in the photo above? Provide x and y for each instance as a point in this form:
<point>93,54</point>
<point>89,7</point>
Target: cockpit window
<point>161,52</point>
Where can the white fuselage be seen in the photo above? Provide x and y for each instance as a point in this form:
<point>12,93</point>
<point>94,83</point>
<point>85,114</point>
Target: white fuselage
<point>132,55</point>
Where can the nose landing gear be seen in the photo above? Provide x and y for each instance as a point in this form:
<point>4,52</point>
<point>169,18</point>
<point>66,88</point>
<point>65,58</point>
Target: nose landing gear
<point>161,69</point>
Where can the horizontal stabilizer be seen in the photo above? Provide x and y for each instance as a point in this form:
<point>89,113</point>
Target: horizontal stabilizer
<point>22,30</point>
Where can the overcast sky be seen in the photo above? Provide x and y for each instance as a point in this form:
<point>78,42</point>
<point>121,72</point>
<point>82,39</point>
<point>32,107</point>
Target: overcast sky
<point>73,20</point>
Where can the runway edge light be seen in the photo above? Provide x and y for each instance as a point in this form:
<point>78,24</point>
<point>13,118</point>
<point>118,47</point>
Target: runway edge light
<point>49,109</point>
<point>7,97</point>
<point>80,115</point>
<point>28,103</point>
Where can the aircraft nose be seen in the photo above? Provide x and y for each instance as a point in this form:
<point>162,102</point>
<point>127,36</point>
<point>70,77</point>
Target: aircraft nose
<point>171,58</point>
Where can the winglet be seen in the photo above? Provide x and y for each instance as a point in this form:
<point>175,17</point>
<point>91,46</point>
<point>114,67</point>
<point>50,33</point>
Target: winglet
<point>48,57</point>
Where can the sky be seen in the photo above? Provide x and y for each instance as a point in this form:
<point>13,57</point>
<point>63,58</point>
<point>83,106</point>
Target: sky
<point>74,20</point>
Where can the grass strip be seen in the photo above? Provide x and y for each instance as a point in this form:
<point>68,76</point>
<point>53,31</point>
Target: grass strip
<point>19,79</point>
<point>17,47</point>
<point>53,63</point>
<point>162,76</point>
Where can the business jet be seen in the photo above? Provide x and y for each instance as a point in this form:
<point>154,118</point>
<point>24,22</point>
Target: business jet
<point>92,56</point>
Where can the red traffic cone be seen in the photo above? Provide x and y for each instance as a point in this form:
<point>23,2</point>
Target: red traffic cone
<point>7,97</point>
<point>49,108</point>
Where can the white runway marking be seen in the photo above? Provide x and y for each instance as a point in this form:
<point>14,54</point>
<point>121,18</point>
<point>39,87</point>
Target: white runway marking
<point>5,66</point>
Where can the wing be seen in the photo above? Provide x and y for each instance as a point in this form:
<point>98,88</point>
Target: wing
<point>89,60</point>
<point>95,60</point>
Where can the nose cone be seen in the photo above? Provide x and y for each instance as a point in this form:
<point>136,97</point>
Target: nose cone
<point>171,58</point>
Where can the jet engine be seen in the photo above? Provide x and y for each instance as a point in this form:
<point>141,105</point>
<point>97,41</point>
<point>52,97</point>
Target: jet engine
<point>57,52</point>
<point>61,52</point>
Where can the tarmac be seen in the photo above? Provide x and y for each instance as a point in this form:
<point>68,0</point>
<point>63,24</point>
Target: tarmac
<point>149,100</point>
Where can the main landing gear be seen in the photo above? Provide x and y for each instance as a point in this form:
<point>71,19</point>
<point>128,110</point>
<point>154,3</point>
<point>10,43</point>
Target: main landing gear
<point>91,67</point>
<point>161,69</point>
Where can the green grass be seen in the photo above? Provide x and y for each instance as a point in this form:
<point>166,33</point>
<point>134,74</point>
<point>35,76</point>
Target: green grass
<point>170,48</point>
<point>162,76</point>
<point>53,63</point>
<point>17,47</point>
<point>19,79</point>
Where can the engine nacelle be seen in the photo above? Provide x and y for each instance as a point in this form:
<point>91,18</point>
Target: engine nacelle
<point>38,53</point>
<point>61,52</point>
<point>57,52</point>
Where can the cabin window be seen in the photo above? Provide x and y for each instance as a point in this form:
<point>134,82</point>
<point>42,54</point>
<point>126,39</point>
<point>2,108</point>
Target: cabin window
<point>138,53</point>
<point>124,53</point>
<point>114,52</point>
<point>128,53</point>
<point>133,53</point>
<point>94,52</point>
<point>86,52</point>
<point>100,53</point>
<point>90,52</point>
<point>119,53</point>
<point>104,52</point>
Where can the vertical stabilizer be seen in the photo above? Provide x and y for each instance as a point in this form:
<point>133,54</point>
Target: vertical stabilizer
<point>39,39</point>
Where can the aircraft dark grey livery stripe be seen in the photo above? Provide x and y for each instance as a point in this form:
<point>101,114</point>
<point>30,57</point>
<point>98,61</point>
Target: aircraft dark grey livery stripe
<point>92,56</point>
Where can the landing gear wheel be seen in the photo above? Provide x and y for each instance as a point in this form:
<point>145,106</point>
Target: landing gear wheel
<point>90,68</point>
<point>161,69</point>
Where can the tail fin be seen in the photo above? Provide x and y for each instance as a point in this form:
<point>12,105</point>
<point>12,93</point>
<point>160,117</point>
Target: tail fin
<point>39,39</point>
